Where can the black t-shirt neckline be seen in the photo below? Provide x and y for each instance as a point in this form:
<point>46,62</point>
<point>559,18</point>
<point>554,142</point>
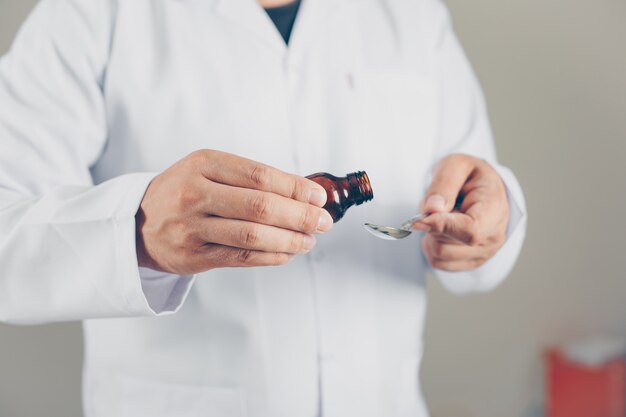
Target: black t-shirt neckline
<point>284,18</point>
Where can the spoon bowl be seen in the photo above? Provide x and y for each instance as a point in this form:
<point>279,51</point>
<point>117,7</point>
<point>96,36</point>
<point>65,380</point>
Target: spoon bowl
<point>394,233</point>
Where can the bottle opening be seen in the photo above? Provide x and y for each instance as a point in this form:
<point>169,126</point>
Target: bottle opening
<point>360,187</point>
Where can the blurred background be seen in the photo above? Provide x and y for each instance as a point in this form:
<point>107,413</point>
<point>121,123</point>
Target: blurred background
<point>554,74</point>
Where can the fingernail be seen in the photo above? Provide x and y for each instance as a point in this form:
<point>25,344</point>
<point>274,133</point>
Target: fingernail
<point>309,242</point>
<point>421,227</point>
<point>435,203</point>
<point>317,197</point>
<point>325,222</point>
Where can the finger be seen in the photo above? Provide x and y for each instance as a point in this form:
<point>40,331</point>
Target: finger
<point>265,208</point>
<point>444,251</point>
<point>234,170</point>
<point>484,198</point>
<point>489,209</point>
<point>457,226</point>
<point>460,266</point>
<point>218,256</point>
<point>254,236</point>
<point>449,176</point>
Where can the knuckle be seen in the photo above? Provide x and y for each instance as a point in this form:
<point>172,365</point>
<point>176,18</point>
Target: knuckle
<point>186,197</point>
<point>250,236</point>
<point>297,243</point>
<point>298,191</point>
<point>308,219</point>
<point>180,232</point>
<point>260,176</point>
<point>222,256</point>
<point>261,207</point>
<point>244,256</point>
<point>188,239</point>
<point>198,157</point>
<point>198,154</point>
<point>438,225</point>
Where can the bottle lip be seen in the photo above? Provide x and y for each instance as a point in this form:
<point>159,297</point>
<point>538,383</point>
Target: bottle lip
<point>360,187</point>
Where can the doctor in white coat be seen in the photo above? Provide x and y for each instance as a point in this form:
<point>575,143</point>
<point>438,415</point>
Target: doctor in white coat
<point>152,155</point>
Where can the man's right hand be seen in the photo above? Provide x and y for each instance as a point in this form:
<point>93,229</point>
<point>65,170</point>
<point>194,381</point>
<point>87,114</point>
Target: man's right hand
<point>213,209</point>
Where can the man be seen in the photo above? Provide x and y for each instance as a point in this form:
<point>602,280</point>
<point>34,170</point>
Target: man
<point>100,98</point>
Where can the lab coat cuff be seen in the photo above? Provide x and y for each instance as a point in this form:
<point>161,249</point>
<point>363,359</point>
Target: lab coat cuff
<point>145,292</point>
<point>164,292</point>
<point>494,271</point>
<point>515,196</point>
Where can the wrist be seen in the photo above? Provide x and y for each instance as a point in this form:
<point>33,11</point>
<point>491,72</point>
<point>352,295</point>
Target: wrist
<point>140,249</point>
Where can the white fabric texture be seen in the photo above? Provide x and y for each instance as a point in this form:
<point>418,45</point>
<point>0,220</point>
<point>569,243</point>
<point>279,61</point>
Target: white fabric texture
<point>97,96</point>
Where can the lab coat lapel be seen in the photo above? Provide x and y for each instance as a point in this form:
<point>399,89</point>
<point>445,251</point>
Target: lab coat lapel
<point>310,22</point>
<point>251,17</point>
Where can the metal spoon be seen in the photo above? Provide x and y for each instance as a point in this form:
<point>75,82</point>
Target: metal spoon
<point>394,233</point>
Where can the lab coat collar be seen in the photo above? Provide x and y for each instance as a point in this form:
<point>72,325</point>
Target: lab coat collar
<point>251,17</point>
<point>310,22</point>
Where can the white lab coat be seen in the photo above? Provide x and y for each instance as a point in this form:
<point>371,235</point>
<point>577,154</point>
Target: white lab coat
<point>98,96</point>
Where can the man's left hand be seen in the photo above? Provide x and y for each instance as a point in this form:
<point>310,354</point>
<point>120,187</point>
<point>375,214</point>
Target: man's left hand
<point>469,214</point>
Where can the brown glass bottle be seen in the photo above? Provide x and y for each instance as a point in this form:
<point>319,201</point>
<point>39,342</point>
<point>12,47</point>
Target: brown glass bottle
<point>344,192</point>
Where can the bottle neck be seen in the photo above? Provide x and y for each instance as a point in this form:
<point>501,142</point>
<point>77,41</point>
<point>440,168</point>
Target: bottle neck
<point>360,187</point>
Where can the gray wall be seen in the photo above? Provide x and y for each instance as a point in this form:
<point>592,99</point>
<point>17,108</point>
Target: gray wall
<point>554,75</point>
<point>40,367</point>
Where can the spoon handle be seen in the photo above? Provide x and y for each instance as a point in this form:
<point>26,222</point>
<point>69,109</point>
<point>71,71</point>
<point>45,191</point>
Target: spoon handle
<point>407,224</point>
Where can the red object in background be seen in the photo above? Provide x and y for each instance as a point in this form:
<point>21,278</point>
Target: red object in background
<point>576,390</point>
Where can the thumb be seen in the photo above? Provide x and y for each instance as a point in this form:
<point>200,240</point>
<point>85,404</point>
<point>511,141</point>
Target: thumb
<point>457,226</point>
<point>449,177</point>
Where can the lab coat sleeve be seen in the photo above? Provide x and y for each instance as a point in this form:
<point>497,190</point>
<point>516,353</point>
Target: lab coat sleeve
<point>67,246</point>
<point>464,128</point>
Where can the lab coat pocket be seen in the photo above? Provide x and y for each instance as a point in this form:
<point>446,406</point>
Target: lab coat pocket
<point>142,397</point>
